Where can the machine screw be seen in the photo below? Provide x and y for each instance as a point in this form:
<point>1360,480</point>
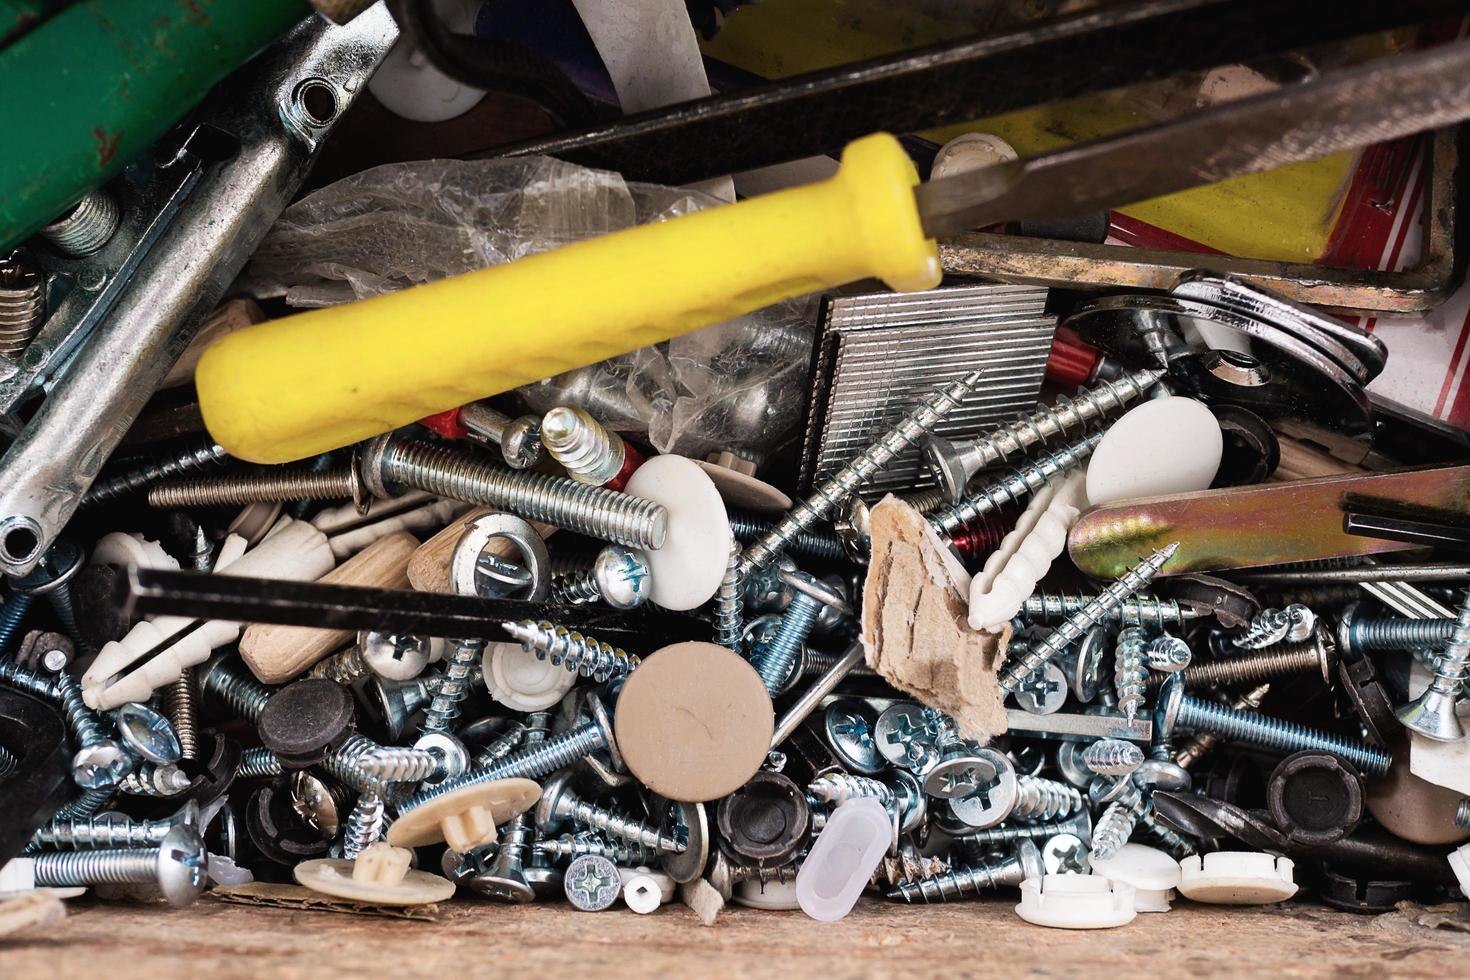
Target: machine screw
<point>1011,488</point>
<point>1203,742</point>
<point>1130,669</point>
<point>806,544</point>
<point>1372,634</point>
<point>454,686</point>
<point>1432,714</point>
<point>954,463</point>
<point>258,763</point>
<point>86,227</point>
<point>1141,610</point>
<point>1278,734</point>
<point>1024,863</point>
<point>237,690</point>
<point>94,833</point>
<point>1316,654</point>
<point>929,412</point>
<point>730,602</point>
<point>268,485</point>
<point>588,452</point>
<point>775,658</point>
<point>579,654</point>
<point>177,865</point>
<point>559,804</point>
<point>519,439</point>
<point>200,457</point>
<point>619,576</point>
<point>1076,626</point>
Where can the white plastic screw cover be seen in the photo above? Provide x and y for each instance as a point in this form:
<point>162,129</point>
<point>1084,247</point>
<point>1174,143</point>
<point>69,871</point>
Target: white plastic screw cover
<point>688,568</point>
<point>1076,902</point>
<point>843,859</point>
<point>1236,878</point>
<point>1166,445</point>
<point>1153,874</point>
<point>1459,860</point>
<point>521,681</point>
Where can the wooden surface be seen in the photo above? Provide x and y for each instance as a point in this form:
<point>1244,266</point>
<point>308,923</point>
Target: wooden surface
<point>212,940</point>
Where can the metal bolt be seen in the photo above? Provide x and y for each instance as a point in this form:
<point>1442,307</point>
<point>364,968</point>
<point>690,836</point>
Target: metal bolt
<point>1112,757</point>
<point>584,655</point>
<point>1141,610</point>
<point>454,686</point>
<point>1076,626</point>
<point>233,687</point>
<point>86,227</point>
<point>178,866</point>
<point>730,602</point>
<point>1011,488</point>
<point>559,804</point>
<point>22,307</point>
<point>592,883</point>
<point>258,763</point>
<point>588,452</point>
<point>1272,626</point>
<point>929,412</point>
<point>12,614</point>
<point>806,544</point>
<point>1278,734</point>
<point>954,463</point>
<point>1024,863</point>
<point>203,456</point>
<point>52,578</point>
<point>519,439</point>
<point>1315,655</point>
<point>1432,714</point>
<point>575,845</point>
<point>1203,742</point>
<point>775,658</point>
<point>1130,669</point>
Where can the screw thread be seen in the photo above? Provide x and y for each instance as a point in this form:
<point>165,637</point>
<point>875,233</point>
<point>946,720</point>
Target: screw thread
<point>1276,733</point>
<point>774,659</point>
<point>258,763</point>
<point>575,588</point>
<point>345,764</point>
<point>8,763</point>
<point>1449,672</point>
<point>85,228</point>
<point>1175,843</point>
<point>816,662</point>
<point>1025,831</point>
<point>236,690</point>
<point>1393,633</point>
<point>155,781</point>
<point>18,677</point>
<point>839,787</point>
<point>364,824</point>
<point>594,511</point>
<point>1011,488</point>
<point>1074,627</point>
<point>530,763</point>
<point>200,457</point>
<point>1117,822</point>
<point>806,544</point>
<point>1044,799</point>
<point>502,745</point>
<point>584,655</point>
<point>587,451</point>
<point>12,614</point>
<point>181,705</point>
<point>1462,815</point>
<point>634,832</point>
<point>1281,660</point>
<point>571,846</point>
<point>1130,669</point>
<point>117,866</point>
<point>1047,422</point>
<point>346,667</point>
<point>91,833</point>
<point>398,764</point>
<point>454,686</point>
<point>83,722</point>
<point>1271,627</point>
<point>1201,744</point>
<point>88,803</point>
<point>928,413</point>
<point>22,307</point>
<point>1112,757</point>
<point>269,485</point>
<point>959,882</point>
<point>730,602</point>
<point>1141,610</point>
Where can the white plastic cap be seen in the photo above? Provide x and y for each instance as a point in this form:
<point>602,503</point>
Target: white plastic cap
<point>642,893</point>
<point>119,548</point>
<point>1459,860</point>
<point>521,681</point>
<point>843,859</point>
<point>1153,874</point>
<point>1236,878</point>
<point>773,896</point>
<point>1076,902</point>
<point>1167,445</point>
<point>409,86</point>
<point>970,151</point>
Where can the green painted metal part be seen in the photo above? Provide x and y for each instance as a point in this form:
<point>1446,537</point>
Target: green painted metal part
<point>19,16</point>
<point>96,84</point>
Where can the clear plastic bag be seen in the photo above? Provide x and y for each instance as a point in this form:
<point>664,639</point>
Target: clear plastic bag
<point>733,386</point>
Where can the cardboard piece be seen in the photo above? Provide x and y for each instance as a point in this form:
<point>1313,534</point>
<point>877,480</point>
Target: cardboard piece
<point>296,897</point>
<point>915,632</point>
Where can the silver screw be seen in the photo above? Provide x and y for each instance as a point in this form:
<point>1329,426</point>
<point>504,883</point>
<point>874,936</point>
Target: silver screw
<point>86,227</point>
<point>559,804</point>
<point>1076,626</point>
<point>1462,815</point>
<point>155,781</point>
<point>1117,822</point>
<point>22,307</point>
<point>730,602</point>
<point>454,686</point>
<point>807,544</point>
<point>929,412</point>
<point>775,658</point>
<point>1278,734</point>
<point>588,452</point>
<point>178,866</point>
<point>202,456</point>
<point>1112,757</point>
<point>1130,669</point>
<point>576,845</point>
<point>619,576</point>
<point>1011,488</point>
<point>52,578</point>
<point>258,763</point>
<point>1141,610</point>
<point>239,691</point>
<point>181,705</point>
<point>1043,799</point>
<point>1372,634</point>
<point>958,882</point>
<point>8,763</point>
<point>1078,825</point>
<point>505,879</point>
<point>100,761</point>
<point>1198,746</point>
<point>364,824</point>
<point>592,883</point>
<point>583,655</point>
<point>94,833</point>
<point>1432,714</point>
<point>1168,654</point>
<point>1316,655</point>
<point>264,485</point>
<point>519,439</point>
<point>1272,626</point>
<point>954,463</point>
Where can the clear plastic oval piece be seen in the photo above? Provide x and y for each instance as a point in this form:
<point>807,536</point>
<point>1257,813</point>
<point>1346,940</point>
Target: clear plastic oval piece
<point>844,857</point>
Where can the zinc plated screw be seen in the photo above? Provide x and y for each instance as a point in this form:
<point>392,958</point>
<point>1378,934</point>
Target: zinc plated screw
<point>454,686</point>
<point>1200,745</point>
<point>774,658</point>
<point>1043,799</point>
<point>155,781</point>
<point>839,787</point>
<point>181,705</point>
<point>1462,815</point>
<point>224,681</point>
<point>1292,624</point>
<point>518,439</point>
<point>929,412</point>
<point>622,853</point>
<point>958,882</point>
<point>820,545</point>
<point>93,833</point>
<point>1141,610</point>
<point>1277,733</point>
<point>559,804</point>
<point>52,578</point>
<point>1432,714</point>
<point>1011,488</point>
<point>12,614</point>
<point>364,824</point>
<point>619,576</point>
<point>8,762</point>
<point>1079,825</point>
<point>1112,757</point>
<point>100,761</point>
<point>730,602</point>
<point>584,655</point>
<point>1372,634</point>
<point>1130,669</point>
<point>197,458</point>
<point>177,865</point>
<point>954,463</point>
<point>89,803</point>
<point>589,452</point>
<point>258,763</point>
<point>18,677</point>
<point>1076,626</point>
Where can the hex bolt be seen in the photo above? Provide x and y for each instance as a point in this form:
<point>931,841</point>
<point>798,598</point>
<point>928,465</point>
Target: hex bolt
<point>1012,488</point>
<point>116,831</point>
<point>825,499</point>
<point>1278,734</point>
<point>619,576</point>
<point>198,458</point>
<point>1374,634</point>
<point>589,452</point>
<point>1201,744</point>
<point>730,602</point>
<point>52,578</point>
<point>519,439</point>
<point>1130,669</point>
<point>775,658</point>
<point>1432,713</point>
<point>1141,610</point>
<point>87,227</point>
<point>584,655</point>
<point>181,705</point>
<point>954,463</point>
<point>1073,628</point>
<point>1112,757</point>
<point>974,880</point>
<point>559,804</point>
<point>177,865</point>
<point>1314,655</point>
<point>227,683</point>
<point>454,686</point>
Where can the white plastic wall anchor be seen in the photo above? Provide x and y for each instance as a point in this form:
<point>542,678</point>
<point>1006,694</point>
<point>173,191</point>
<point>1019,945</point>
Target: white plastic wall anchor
<point>1236,878</point>
<point>1153,874</point>
<point>1165,445</point>
<point>1459,860</point>
<point>292,551</point>
<point>120,548</point>
<point>1025,554</point>
<point>843,859</point>
<point>1076,902</point>
<point>521,681</point>
<point>348,532</point>
<point>644,889</point>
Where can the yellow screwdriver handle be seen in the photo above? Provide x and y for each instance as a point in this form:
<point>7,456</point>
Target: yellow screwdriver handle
<point>315,381</point>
